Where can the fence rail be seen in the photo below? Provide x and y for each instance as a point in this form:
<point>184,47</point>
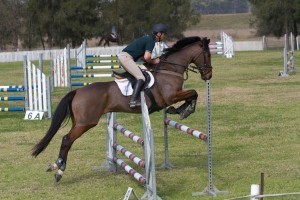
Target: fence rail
<point>50,54</point>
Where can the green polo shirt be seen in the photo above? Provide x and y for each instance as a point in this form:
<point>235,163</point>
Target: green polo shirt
<point>138,47</point>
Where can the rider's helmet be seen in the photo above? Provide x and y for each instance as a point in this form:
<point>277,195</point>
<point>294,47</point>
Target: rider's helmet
<point>160,27</point>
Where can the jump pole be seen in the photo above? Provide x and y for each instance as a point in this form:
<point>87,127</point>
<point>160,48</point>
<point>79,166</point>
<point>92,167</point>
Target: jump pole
<point>210,189</point>
<point>148,145</point>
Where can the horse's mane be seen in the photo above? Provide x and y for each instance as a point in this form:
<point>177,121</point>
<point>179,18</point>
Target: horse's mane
<point>183,43</point>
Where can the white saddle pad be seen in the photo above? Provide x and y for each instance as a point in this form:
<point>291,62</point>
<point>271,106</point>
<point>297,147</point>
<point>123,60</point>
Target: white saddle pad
<point>126,87</point>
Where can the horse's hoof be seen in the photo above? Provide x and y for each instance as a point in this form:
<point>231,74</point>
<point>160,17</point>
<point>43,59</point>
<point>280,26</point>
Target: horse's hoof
<point>184,114</point>
<point>57,177</point>
<point>171,110</point>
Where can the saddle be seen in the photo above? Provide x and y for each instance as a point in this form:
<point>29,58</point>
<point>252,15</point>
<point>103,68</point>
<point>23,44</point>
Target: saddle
<point>146,87</point>
<point>131,79</point>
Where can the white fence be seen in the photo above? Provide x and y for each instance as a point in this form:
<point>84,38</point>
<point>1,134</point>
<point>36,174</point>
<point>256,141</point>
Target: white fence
<point>51,54</point>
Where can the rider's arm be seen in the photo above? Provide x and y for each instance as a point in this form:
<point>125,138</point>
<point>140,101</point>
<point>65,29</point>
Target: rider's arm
<point>147,57</point>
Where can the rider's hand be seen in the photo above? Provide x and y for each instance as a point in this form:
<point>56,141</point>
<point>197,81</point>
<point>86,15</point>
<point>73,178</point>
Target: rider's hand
<point>156,60</point>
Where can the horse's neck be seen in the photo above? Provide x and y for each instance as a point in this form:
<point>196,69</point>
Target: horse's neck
<point>179,59</point>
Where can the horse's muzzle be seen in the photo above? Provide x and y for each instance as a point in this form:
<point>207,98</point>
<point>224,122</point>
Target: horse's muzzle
<point>207,73</point>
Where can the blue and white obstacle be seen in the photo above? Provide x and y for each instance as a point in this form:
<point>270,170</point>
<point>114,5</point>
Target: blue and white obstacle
<point>86,62</point>
<point>35,92</point>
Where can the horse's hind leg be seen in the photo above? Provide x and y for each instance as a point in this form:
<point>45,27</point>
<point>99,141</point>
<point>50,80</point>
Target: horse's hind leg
<point>66,144</point>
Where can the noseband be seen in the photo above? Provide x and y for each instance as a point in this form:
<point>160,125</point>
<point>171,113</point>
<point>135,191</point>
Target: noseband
<point>201,68</point>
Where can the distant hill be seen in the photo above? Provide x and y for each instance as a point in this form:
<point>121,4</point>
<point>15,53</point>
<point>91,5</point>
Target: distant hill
<point>221,6</point>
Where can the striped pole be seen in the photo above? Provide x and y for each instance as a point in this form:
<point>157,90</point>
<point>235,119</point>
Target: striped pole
<point>149,180</point>
<point>129,134</point>
<point>12,98</point>
<point>101,61</point>
<point>186,129</point>
<point>96,67</point>
<point>91,75</point>
<point>11,89</point>
<point>12,86</point>
<point>102,56</point>
<point>12,109</point>
<point>130,170</point>
<point>129,155</point>
<point>81,83</point>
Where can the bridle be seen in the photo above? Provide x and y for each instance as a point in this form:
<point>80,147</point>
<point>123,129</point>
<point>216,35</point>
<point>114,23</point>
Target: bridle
<point>204,66</point>
<point>201,69</point>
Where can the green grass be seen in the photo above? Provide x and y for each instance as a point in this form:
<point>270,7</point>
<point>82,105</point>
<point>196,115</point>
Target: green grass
<point>255,127</point>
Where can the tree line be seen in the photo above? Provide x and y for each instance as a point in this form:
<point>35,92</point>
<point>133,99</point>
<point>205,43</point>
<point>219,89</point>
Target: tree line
<point>276,17</point>
<point>50,23</point>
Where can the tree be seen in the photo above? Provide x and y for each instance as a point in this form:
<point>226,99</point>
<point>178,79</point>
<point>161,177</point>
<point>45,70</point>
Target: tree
<point>59,22</point>
<point>10,22</point>
<point>276,17</point>
<point>77,20</point>
<point>134,19</point>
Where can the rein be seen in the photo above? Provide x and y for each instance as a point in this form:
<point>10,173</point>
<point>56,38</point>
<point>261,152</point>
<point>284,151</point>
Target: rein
<point>167,71</point>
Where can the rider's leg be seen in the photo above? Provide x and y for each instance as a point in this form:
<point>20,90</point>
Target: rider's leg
<point>135,101</point>
<point>130,66</point>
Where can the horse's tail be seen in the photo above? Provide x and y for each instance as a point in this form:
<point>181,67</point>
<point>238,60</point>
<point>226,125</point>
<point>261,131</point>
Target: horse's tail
<point>62,111</point>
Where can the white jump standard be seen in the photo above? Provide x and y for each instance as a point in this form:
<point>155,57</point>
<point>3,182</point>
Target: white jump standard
<point>112,147</point>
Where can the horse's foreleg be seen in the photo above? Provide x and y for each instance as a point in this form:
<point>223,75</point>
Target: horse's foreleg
<point>66,144</point>
<point>173,110</point>
<point>190,97</point>
<point>190,110</point>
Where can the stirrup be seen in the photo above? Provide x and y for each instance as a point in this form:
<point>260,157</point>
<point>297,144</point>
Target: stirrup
<point>133,104</point>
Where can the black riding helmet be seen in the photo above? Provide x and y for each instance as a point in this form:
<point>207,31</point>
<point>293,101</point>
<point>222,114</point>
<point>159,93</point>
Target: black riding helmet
<point>160,27</point>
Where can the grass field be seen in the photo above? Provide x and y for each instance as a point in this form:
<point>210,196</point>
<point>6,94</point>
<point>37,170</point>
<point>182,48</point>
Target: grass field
<point>255,127</point>
<point>235,25</point>
<point>229,21</point>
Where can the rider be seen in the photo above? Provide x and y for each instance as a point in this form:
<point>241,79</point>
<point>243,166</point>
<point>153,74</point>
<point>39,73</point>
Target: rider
<point>141,47</point>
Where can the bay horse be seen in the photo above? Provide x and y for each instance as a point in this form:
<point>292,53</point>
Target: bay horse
<point>86,105</point>
<point>109,37</point>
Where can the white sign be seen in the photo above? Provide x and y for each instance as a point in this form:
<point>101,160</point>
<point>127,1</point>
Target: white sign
<point>33,115</point>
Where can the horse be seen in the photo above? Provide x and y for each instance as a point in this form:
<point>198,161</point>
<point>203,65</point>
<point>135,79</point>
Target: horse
<point>84,106</point>
<point>109,37</point>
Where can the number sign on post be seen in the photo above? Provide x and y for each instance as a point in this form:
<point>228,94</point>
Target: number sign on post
<point>34,115</point>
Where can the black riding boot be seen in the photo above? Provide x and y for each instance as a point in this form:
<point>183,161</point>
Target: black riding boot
<point>135,101</point>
